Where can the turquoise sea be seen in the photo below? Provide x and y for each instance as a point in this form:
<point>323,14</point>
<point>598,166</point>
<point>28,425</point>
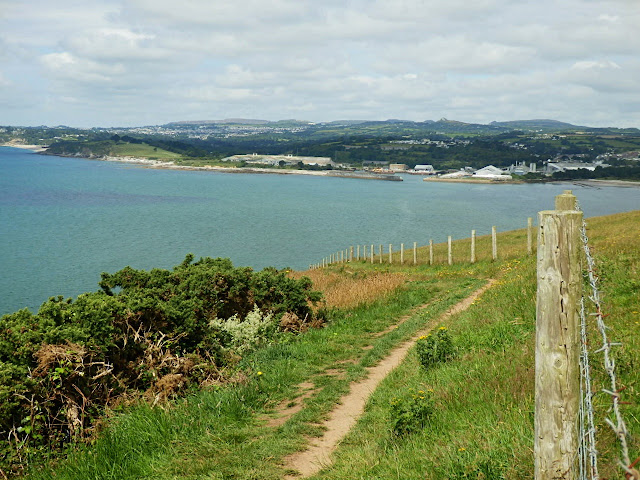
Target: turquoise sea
<point>63,221</point>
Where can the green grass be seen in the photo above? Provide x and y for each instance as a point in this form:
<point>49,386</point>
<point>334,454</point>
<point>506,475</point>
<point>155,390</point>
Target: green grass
<point>222,429</point>
<point>143,150</point>
<point>483,421</point>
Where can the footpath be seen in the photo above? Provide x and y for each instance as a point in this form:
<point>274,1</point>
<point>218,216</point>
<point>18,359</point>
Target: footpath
<point>351,406</point>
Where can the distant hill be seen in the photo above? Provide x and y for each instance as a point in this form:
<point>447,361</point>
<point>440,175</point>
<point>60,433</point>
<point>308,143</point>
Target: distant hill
<point>240,121</point>
<point>536,125</point>
<point>442,126</point>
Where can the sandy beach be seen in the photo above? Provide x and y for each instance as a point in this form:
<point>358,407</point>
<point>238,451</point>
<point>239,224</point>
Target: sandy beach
<point>34,148</point>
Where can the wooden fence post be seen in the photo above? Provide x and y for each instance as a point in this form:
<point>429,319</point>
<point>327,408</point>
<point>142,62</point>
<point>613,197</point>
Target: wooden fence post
<point>358,254</point>
<point>529,236</point>
<point>430,251</point>
<point>380,252</point>
<point>450,253</point>
<point>494,244</point>
<point>390,255</point>
<point>415,253</point>
<point>557,371</point>
<point>402,254</point>
<point>351,254</point>
<point>473,246</point>
<point>372,253</point>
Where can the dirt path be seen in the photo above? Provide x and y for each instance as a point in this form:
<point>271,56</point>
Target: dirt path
<point>351,406</point>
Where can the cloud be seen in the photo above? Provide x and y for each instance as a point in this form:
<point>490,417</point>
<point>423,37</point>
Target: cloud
<point>415,59</point>
<point>4,82</point>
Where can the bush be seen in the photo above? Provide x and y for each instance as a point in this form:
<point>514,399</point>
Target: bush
<point>245,335</point>
<point>146,333</point>
<point>435,348</point>
<point>411,412</point>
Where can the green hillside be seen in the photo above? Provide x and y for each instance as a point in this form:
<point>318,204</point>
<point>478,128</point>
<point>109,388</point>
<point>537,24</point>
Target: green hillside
<point>468,417</point>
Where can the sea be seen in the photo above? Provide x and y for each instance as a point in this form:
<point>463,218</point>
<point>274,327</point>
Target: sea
<point>63,221</point>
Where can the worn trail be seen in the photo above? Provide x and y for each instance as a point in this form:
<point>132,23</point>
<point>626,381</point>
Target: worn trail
<point>351,407</point>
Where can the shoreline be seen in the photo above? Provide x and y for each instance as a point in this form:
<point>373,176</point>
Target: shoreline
<point>483,181</point>
<point>33,148</point>
<point>169,165</point>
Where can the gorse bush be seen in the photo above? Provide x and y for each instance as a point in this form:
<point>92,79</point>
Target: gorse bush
<point>411,412</point>
<point>435,348</point>
<point>150,333</point>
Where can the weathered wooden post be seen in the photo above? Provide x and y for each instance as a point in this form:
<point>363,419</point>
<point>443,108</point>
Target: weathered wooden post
<point>566,201</point>
<point>402,254</point>
<point>324,262</point>
<point>449,252</point>
<point>415,253</point>
<point>557,371</point>
<point>351,253</point>
<point>430,251</point>
<point>390,255</point>
<point>341,256</point>
<point>529,236</point>
<point>358,254</point>
<point>380,252</point>
<point>494,244</point>
<point>372,254</point>
<point>473,246</point>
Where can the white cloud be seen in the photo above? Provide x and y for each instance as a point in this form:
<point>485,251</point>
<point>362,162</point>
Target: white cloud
<point>4,82</point>
<point>415,59</point>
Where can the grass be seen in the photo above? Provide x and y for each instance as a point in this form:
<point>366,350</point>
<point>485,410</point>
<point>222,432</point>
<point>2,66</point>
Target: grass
<point>483,421</point>
<point>143,150</point>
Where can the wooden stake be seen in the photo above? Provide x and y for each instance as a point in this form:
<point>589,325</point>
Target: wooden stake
<point>473,246</point>
<point>390,255</point>
<point>529,235</point>
<point>415,253</point>
<point>430,251</point>
<point>494,244</point>
<point>402,254</point>
<point>557,371</point>
<point>450,253</point>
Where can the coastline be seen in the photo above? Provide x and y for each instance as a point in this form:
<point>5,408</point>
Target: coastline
<point>472,180</point>
<point>33,148</point>
<point>147,163</point>
<point>168,165</point>
<point>596,182</point>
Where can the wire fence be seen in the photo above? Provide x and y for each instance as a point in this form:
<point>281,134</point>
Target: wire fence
<point>588,454</point>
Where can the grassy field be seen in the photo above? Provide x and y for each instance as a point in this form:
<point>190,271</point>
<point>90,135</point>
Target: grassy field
<point>143,150</point>
<point>482,421</point>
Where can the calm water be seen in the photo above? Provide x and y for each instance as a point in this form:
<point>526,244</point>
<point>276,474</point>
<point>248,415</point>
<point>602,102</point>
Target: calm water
<point>64,221</point>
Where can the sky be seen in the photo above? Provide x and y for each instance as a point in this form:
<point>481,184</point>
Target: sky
<point>88,63</point>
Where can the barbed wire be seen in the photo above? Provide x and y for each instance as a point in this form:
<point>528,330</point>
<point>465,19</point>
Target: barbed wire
<point>618,426</point>
<point>587,449</point>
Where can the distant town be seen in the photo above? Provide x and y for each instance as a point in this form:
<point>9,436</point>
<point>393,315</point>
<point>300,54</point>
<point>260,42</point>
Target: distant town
<point>533,150</point>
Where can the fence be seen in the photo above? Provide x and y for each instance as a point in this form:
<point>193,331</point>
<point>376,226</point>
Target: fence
<point>418,255</point>
<point>564,436</point>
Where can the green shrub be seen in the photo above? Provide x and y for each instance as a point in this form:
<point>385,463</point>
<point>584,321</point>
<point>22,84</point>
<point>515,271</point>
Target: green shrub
<point>411,412</point>
<point>151,333</point>
<point>435,348</point>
